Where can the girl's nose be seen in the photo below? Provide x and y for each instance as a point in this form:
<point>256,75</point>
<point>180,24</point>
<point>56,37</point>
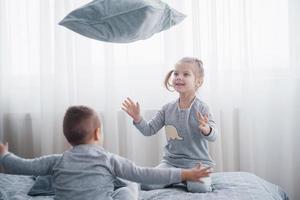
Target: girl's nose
<point>179,77</point>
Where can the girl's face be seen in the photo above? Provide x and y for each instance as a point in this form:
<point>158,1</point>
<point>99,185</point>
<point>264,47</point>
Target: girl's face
<point>184,79</point>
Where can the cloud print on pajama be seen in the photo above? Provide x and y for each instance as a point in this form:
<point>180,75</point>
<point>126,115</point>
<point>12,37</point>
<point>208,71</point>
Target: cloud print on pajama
<point>172,133</point>
<point>122,21</point>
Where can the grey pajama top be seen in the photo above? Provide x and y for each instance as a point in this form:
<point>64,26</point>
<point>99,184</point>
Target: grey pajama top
<point>186,145</point>
<point>87,172</point>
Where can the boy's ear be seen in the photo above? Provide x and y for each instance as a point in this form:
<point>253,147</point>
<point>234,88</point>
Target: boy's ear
<point>97,134</point>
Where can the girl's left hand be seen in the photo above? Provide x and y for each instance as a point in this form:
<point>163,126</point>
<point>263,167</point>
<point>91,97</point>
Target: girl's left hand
<point>203,124</point>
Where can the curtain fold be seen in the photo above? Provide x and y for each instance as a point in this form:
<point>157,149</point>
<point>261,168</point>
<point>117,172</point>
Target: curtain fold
<point>251,55</point>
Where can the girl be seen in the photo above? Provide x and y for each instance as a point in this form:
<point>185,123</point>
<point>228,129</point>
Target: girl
<point>188,123</point>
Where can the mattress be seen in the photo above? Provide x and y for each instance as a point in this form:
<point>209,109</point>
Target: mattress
<point>226,186</point>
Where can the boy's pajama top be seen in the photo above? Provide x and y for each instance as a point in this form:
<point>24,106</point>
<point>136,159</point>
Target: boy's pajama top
<point>87,172</point>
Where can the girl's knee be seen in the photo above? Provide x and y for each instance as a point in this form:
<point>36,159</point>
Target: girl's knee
<point>152,187</point>
<point>197,187</point>
<point>124,193</point>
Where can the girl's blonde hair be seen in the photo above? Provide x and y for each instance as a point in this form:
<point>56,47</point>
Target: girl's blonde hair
<point>199,71</point>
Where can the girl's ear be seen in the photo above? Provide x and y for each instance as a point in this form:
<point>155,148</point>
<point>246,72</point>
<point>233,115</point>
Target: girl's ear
<point>199,82</point>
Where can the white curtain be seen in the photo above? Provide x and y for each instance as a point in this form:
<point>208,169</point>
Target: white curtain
<point>251,55</point>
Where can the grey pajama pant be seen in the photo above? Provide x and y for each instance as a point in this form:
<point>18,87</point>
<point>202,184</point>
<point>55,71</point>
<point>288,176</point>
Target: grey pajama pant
<point>195,187</point>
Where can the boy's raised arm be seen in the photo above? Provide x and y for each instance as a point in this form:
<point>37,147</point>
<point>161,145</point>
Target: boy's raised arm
<point>126,169</point>
<point>15,165</point>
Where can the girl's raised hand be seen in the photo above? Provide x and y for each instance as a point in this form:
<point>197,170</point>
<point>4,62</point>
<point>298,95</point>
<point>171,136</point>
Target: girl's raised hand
<point>203,123</point>
<point>132,109</point>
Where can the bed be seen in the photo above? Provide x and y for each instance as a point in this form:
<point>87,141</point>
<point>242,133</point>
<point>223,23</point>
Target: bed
<point>227,186</point>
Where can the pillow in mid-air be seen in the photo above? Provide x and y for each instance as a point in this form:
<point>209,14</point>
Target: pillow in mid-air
<point>122,21</point>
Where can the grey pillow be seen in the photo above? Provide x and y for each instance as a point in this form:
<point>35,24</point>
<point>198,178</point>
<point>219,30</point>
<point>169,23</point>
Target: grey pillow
<point>122,21</point>
<point>42,186</point>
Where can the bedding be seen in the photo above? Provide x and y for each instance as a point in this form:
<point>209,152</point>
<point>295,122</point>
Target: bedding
<point>227,186</point>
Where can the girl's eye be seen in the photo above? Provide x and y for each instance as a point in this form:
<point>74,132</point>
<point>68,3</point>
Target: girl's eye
<point>186,74</point>
<point>175,74</point>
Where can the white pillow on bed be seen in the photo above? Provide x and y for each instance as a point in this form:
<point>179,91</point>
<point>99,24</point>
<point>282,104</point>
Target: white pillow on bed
<point>122,21</point>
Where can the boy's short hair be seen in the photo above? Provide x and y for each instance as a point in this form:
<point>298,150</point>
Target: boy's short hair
<point>79,124</point>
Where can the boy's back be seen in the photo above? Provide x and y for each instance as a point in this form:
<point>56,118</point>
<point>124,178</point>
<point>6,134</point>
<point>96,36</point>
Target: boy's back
<point>85,170</point>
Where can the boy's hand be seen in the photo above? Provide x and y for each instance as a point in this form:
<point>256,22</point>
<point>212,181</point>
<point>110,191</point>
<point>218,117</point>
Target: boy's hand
<point>203,124</point>
<point>132,109</point>
<point>3,148</point>
<point>195,174</point>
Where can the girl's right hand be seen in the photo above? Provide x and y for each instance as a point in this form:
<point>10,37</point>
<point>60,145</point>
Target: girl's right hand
<point>132,109</point>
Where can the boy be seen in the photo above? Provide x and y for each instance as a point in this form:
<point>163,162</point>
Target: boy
<point>87,171</point>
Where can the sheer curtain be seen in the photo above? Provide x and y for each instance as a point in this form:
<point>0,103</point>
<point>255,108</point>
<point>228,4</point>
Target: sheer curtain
<point>251,55</point>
